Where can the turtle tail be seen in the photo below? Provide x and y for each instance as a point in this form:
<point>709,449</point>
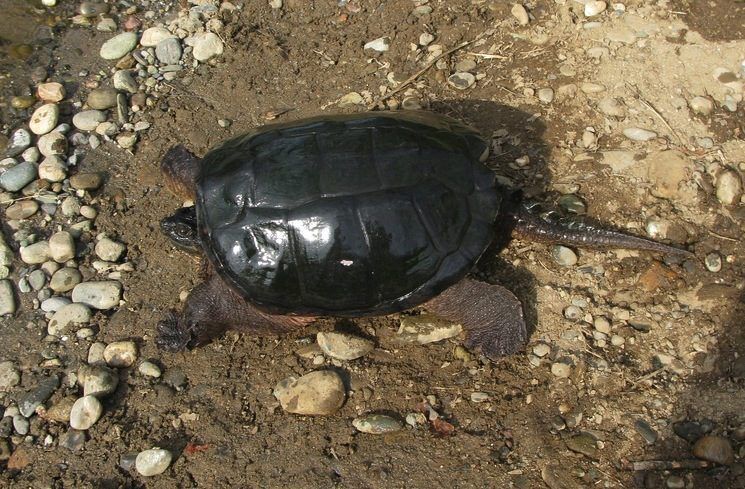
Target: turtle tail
<point>527,222</point>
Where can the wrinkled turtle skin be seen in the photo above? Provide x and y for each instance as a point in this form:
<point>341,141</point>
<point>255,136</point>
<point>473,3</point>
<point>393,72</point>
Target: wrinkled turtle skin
<point>347,215</point>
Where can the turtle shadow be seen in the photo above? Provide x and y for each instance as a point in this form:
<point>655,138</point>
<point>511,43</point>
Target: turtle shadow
<point>513,134</point>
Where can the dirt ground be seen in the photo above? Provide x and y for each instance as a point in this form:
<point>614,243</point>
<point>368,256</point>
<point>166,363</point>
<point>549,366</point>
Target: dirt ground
<point>681,356</point>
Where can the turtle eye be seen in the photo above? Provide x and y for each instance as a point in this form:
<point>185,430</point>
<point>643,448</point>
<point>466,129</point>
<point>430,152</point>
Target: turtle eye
<point>183,230</point>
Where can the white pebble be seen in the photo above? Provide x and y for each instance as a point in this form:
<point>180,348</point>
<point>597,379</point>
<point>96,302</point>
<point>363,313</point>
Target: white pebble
<point>103,294</point>
<point>44,119</point>
<point>120,354</point>
<point>85,412</point>
<point>153,462</point>
<point>593,8</point>
<point>639,134</point>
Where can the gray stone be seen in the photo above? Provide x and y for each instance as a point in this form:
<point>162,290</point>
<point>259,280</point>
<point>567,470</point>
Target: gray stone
<point>564,256</point>
<point>66,316</point>
<point>646,431</point>
<point>37,279</point>
<point>70,207</point>
<point>88,120</point>
<point>109,250</point>
<point>73,440</point>
<point>461,80</point>
<point>53,143</point>
<point>19,176</point>
<point>585,444</point>
<point>317,393</point>
<point>98,295</point>
<point>20,424</point>
<point>118,46</point>
<point>153,462</point>
<point>54,304</point>
<point>98,381</point>
<point>61,247</point>
<point>85,412</point>
<point>124,81</point>
<point>10,376</point>
<point>168,51</point>
<point>18,142</point>
<point>206,46</point>
<point>31,154</point>
<point>612,107</point>
<point>36,253</point>
<point>44,119</point>
<point>101,98</point>
<point>7,298</point>
<point>546,95</point>
<point>65,279</point>
<point>713,262</point>
<point>376,424</point>
<point>343,346</point>
<point>95,354</point>
<point>34,398</point>
<point>702,105</point>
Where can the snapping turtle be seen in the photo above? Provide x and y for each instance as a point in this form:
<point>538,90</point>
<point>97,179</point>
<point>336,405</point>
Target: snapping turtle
<point>352,215</point>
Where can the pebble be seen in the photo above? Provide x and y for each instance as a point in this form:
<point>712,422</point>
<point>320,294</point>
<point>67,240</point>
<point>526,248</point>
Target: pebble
<point>639,134</point>
<point>425,39</point>
<point>643,428</point>
<point>729,187</point>
<point>106,24</point>
<point>602,324</point>
<point>70,207</point>
<point>519,12</point>
<point>126,140</point>
<point>51,92</point>
<point>10,376</point>
<point>564,256</point>
<point>92,9</point>
<point>546,95</point>
<point>691,431</point>
<point>124,81</point>
<point>88,120</point>
<point>33,399</point>
<point>701,105</point>
<point>37,279</point>
<point>584,444</point>
<point>86,181</point>
<point>109,250</point>
<point>85,412</point>
<point>168,51</point>
<point>713,262</point>
<point>714,449</point>
<point>36,253</point>
<point>88,212</point>
<point>317,393</point>
<point>591,88</point>
<point>98,381</point>
<point>612,107</point>
<point>206,46</point>
<point>19,140</point>
<point>66,316</point>
<point>54,304</point>
<point>478,397</point>
<point>120,354</point>
<point>53,169</point>
<point>60,411</point>
<point>350,99</point>
<point>20,424</point>
<point>22,102</point>
<point>31,154</point>
<point>343,346</point>
<point>103,294</point>
<point>149,369</point>
<point>101,98</point>
<point>19,176</point>
<point>152,36</point>
<point>95,354</point>
<point>573,313</point>
<point>65,279</point>
<point>675,482</point>
<point>153,462</point>
<point>53,143</point>
<point>73,440</point>
<point>61,247</point>
<point>376,424</point>
<point>593,8</point>
<point>44,119</point>
<point>118,46</point>
<point>23,209</point>
<point>380,45</point>
<point>541,350</point>
<point>176,378</point>
<point>426,328</point>
<point>561,370</point>
<point>461,80</point>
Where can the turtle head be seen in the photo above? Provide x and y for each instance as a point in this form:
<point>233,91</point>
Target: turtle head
<point>181,228</point>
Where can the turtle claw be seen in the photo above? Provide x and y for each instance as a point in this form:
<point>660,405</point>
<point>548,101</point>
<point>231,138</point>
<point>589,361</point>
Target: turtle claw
<point>171,337</point>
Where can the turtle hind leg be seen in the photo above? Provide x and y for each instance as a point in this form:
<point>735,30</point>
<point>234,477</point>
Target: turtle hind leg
<point>213,308</point>
<point>491,315</point>
<point>180,168</point>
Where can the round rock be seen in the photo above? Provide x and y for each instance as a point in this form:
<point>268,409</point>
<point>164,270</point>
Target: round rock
<point>53,169</point>
<point>377,424</point>
<point>88,120</point>
<point>120,354</point>
<point>152,36</point>
<point>85,412</point>
<point>206,46</point>
<point>98,381</point>
<point>123,81</point>
<point>103,294</point>
<point>18,142</point>
<point>519,13</point>
<point>86,181</point>
<point>343,346</point>
<point>61,247</point>
<point>53,143</point>
<point>153,462</point>
<point>44,119</point>
<point>714,449</point>
<point>23,209</point>
<point>639,134</point>
<point>36,253</point>
<point>51,92</point>
<point>149,369</point>
<point>18,176</point>
<point>317,393</point>
<point>118,46</point>
<point>101,98</point>
<point>702,105</point>
<point>65,279</point>
<point>168,51</point>
<point>461,80</point>
<point>729,187</point>
<point>66,316</point>
<point>546,95</point>
<point>109,250</point>
<point>564,256</point>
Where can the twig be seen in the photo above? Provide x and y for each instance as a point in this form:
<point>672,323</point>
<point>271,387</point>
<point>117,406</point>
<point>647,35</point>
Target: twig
<point>658,114</point>
<point>724,237</point>
<point>666,465</point>
<point>488,56</point>
<point>12,201</point>
<point>419,73</point>
<point>647,377</point>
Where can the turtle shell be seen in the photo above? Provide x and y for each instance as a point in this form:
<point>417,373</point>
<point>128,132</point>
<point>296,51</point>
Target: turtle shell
<point>347,215</point>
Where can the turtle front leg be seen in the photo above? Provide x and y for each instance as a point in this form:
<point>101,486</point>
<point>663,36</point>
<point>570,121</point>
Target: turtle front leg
<point>212,308</point>
<point>491,315</point>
